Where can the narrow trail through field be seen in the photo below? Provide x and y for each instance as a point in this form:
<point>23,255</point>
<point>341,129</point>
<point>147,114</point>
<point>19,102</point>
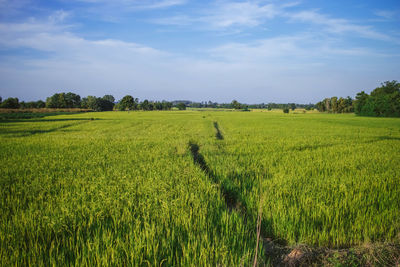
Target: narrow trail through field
<point>218,135</point>
<point>231,200</point>
<point>273,252</point>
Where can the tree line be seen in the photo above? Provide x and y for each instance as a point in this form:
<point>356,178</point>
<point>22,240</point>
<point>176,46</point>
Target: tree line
<point>71,100</point>
<point>383,101</point>
<point>242,106</point>
<point>108,103</point>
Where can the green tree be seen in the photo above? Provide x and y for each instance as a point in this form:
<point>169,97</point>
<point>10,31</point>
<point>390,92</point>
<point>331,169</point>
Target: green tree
<point>91,102</point>
<point>181,106</point>
<point>349,104</point>
<point>11,102</point>
<point>286,110</point>
<point>64,100</point>
<point>235,104</point>
<point>167,105</point>
<point>145,105</point>
<point>107,102</point>
<point>40,104</point>
<point>127,103</point>
<point>327,104</point>
<point>386,99</point>
<point>158,105</point>
<point>334,104</point>
<point>72,100</point>
<point>109,98</point>
<point>359,103</point>
<point>341,105</point>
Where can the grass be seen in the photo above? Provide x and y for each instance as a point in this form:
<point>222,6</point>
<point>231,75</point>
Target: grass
<point>119,188</point>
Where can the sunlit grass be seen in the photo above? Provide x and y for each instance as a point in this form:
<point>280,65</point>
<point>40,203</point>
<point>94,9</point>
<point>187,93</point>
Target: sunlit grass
<point>119,188</point>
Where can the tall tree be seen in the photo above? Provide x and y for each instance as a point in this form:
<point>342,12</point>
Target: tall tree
<point>181,106</point>
<point>361,100</point>
<point>127,103</point>
<point>109,98</point>
<point>235,104</point>
<point>11,102</point>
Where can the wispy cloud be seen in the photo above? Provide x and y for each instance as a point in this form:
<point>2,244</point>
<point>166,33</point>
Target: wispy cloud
<point>336,25</point>
<point>271,65</point>
<point>387,15</point>
<point>228,14</point>
<point>118,67</point>
<point>137,4</point>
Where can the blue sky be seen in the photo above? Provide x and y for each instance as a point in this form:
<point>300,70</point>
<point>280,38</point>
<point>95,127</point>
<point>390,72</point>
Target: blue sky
<point>253,51</point>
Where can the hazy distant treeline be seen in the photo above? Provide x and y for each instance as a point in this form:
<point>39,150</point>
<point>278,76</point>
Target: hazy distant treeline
<point>71,100</point>
<point>384,101</point>
<point>107,103</point>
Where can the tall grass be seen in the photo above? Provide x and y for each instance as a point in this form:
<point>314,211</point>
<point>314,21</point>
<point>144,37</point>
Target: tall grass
<point>118,188</point>
<point>327,180</point>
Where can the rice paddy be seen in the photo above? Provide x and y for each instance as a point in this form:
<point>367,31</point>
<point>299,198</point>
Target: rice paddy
<point>185,188</point>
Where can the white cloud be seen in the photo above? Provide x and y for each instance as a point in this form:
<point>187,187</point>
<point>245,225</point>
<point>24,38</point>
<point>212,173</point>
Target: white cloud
<point>387,14</point>
<point>335,25</point>
<point>58,16</point>
<point>137,4</point>
<point>240,14</point>
<point>282,68</point>
<point>227,14</point>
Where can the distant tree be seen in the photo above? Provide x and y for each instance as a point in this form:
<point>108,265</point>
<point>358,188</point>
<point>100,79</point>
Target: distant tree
<point>104,105</point>
<point>349,104</point>
<point>359,103</point>
<point>40,104</point>
<point>145,105</point>
<point>109,98</point>
<point>91,102</point>
<point>61,100</point>
<point>32,104</point>
<point>11,102</point>
<point>72,100</point>
<point>127,103</point>
<point>386,99</point>
<point>167,105</point>
<point>327,104</point>
<point>151,106</point>
<point>334,104</point>
<point>158,105</point>
<point>235,104</point>
<point>321,106</point>
<point>286,110</point>
<point>292,106</point>
<point>107,102</point>
<point>181,106</point>
<point>1,100</point>
<point>52,101</point>
<point>341,105</point>
<point>64,100</point>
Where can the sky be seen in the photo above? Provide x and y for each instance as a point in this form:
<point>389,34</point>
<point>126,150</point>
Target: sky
<point>257,51</point>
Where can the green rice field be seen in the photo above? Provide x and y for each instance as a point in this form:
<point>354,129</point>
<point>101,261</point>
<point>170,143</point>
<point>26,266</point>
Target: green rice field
<point>186,188</point>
